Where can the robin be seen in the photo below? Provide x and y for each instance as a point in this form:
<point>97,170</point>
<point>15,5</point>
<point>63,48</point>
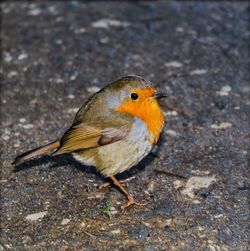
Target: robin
<point>115,129</point>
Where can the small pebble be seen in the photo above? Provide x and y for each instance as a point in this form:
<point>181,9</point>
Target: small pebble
<point>221,125</point>
<point>224,90</point>
<point>177,184</point>
<point>73,77</point>
<point>104,40</point>
<point>7,57</point>
<point>71,96</point>
<point>171,133</point>
<point>195,183</point>
<point>22,56</point>
<point>117,231</point>
<point>198,72</point>
<point>12,74</point>
<point>106,23</point>
<point>27,126</point>
<point>16,145</point>
<point>173,64</point>
<point>5,137</point>
<point>22,120</point>
<point>93,89</point>
<point>171,113</point>
<point>36,216</point>
<point>59,80</point>
<point>34,12</point>
<point>72,110</point>
<point>79,31</point>
<point>65,222</point>
<point>179,29</point>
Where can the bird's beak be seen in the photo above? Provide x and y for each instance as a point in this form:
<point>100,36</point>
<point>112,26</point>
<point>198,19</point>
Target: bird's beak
<point>159,95</point>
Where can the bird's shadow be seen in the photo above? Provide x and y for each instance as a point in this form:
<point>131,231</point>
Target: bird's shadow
<point>67,159</point>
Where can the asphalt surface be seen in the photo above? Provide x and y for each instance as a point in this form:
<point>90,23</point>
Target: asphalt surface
<point>55,55</point>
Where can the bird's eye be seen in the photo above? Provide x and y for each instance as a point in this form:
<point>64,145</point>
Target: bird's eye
<point>134,96</point>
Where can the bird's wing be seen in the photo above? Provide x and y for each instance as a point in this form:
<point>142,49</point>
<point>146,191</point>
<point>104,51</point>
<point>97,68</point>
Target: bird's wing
<point>82,136</point>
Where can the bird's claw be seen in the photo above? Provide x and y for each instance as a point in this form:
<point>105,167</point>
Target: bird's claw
<point>132,201</point>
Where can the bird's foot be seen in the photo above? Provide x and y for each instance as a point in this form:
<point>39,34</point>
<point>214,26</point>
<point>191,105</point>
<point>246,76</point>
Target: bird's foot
<point>132,201</point>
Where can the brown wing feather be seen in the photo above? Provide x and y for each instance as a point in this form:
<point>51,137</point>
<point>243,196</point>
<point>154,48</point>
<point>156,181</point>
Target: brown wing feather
<point>82,136</point>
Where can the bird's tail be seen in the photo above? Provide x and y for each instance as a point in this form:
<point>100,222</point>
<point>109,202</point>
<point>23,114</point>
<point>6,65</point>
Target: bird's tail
<point>35,152</point>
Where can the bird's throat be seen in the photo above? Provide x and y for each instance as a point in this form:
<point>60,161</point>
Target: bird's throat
<point>149,111</point>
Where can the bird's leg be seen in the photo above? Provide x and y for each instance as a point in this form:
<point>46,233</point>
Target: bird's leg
<point>122,182</point>
<point>130,198</point>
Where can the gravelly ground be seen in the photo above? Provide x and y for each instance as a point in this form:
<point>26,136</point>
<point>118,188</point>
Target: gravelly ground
<point>55,55</point>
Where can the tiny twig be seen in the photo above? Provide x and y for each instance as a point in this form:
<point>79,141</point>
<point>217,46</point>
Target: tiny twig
<point>169,174</point>
<point>87,233</point>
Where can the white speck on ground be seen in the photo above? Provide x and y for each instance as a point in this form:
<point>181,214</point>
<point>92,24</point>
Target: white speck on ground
<point>151,186</point>
<point>59,80</point>
<point>218,216</point>
<point>59,19</point>
<point>27,126</point>
<point>200,172</point>
<point>72,110</point>
<point>12,74</point>
<point>171,113</point>
<point>106,23</point>
<point>58,41</point>
<point>22,120</point>
<point>104,40</point>
<point>52,9</point>
<point>22,56</point>
<point>198,72</point>
<point>116,231</point>
<point>7,57</point>
<point>196,202</point>
<point>113,211</point>
<point>5,135</point>
<point>36,216</point>
<point>80,30</point>
<point>173,64</point>
<point>34,12</point>
<point>17,144</point>
<point>195,183</point>
<point>65,222</point>
<point>222,125</point>
<point>73,77</point>
<point>93,89</point>
<point>224,90</point>
<point>83,224</point>
<point>177,184</point>
<point>71,96</point>
<point>99,196</point>
<point>179,29</point>
<point>171,132</point>
<point>6,10</point>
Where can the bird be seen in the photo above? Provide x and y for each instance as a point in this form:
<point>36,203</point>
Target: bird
<point>113,131</point>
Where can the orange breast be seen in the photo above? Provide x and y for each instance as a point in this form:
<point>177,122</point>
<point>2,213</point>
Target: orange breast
<point>149,111</point>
